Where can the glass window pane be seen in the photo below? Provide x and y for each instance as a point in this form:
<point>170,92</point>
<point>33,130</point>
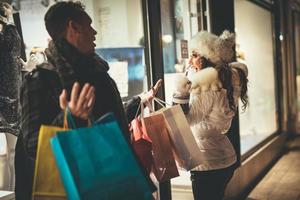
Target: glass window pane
<point>119,39</point>
<point>179,24</point>
<point>33,26</point>
<point>296,27</point>
<point>255,48</point>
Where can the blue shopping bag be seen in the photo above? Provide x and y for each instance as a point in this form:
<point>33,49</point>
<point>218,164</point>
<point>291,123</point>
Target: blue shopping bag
<point>97,163</point>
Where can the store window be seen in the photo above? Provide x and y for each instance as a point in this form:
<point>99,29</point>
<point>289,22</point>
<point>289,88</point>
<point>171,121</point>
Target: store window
<point>255,48</point>
<point>181,20</point>
<point>119,24</point>
<point>296,36</point>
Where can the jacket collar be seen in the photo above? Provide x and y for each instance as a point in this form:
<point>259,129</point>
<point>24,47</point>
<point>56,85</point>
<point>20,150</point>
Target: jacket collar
<point>61,54</point>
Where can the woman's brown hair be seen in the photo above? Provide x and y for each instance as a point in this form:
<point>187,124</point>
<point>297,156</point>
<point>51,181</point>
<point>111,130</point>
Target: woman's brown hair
<point>225,76</point>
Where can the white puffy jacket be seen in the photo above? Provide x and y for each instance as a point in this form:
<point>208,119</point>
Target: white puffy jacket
<point>210,116</point>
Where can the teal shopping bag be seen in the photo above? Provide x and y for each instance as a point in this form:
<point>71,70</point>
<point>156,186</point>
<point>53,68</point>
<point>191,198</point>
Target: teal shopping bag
<point>97,163</point>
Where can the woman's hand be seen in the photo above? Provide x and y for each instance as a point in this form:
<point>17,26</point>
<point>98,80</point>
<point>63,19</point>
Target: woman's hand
<point>80,105</point>
<point>148,96</point>
<point>31,63</point>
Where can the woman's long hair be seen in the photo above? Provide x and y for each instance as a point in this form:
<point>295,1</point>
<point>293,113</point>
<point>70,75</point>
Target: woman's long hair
<point>244,88</point>
<point>225,76</point>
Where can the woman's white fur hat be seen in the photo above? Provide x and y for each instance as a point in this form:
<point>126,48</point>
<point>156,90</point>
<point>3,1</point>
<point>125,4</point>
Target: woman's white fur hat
<point>216,49</point>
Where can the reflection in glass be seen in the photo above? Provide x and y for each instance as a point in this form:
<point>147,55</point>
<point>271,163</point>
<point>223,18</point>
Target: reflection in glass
<point>296,31</point>
<point>119,26</point>
<point>179,22</point>
<point>255,49</point>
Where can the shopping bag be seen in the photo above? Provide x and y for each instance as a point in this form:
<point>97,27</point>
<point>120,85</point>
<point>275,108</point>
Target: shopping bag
<point>97,163</point>
<point>141,145</point>
<point>47,184</point>
<point>164,164</point>
<point>186,151</point>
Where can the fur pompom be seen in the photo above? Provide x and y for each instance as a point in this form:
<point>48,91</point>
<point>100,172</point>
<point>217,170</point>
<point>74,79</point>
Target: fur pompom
<point>228,37</point>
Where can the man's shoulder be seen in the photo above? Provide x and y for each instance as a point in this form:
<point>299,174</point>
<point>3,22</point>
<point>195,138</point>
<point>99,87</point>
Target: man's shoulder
<point>41,72</point>
<point>42,80</point>
<point>10,26</point>
<point>42,77</point>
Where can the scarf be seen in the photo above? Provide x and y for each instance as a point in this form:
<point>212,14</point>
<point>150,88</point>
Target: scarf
<point>70,64</point>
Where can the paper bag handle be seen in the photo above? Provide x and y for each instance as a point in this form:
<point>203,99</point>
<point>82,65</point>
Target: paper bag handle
<point>68,119</point>
<point>161,102</point>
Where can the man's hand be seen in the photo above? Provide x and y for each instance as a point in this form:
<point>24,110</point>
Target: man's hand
<point>148,96</point>
<point>80,105</point>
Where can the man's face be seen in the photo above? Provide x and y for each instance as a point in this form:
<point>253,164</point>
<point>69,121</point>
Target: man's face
<point>85,37</point>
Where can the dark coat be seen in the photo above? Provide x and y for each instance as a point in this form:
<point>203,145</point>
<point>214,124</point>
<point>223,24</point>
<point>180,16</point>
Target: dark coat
<point>10,79</point>
<point>40,102</point>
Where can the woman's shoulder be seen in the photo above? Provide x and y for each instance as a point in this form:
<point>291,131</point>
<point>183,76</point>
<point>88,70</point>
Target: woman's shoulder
<point>238,68</point>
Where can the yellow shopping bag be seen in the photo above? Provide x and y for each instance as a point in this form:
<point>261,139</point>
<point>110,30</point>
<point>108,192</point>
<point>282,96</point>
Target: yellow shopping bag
<point>47,183</point>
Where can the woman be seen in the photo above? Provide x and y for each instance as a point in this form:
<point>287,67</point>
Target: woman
<point>213,86</point>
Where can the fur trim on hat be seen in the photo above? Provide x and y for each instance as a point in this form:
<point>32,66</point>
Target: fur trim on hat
<point>216,49</point>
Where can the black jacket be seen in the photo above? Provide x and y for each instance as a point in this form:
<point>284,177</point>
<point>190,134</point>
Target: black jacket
<point>40,102</point>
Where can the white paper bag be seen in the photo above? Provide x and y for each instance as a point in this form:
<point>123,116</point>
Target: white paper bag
<point>187,153</point>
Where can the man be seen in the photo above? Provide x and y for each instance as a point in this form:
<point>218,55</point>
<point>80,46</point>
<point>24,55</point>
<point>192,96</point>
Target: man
<point>75,77</point>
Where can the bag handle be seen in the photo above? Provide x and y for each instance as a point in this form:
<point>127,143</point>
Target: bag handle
<point>66,125</point>
<point>137,111</point>
<point>141,106</point>
<point>69,120</point>
<point>161,102</point>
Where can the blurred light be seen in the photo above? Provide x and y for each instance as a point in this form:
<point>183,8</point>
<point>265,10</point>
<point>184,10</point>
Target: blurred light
<point>167,39</point>
<point>280,37</point>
